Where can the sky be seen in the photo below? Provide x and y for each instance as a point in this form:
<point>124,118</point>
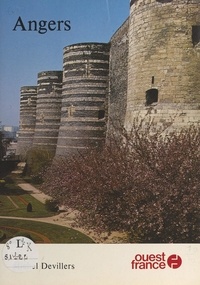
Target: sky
<point>24,53</point>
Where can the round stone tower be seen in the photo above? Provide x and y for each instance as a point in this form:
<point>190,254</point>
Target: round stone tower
<point>48,110</point>
<point>28,95</point>
<point>84,95</point>
<point>164,61</point>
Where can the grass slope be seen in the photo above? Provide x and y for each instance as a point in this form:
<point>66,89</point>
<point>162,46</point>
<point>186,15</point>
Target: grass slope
<point>55,233</point>
<point>14,200</point>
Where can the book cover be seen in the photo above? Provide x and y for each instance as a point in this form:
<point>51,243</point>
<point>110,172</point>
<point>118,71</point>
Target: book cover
<point>99,142</point>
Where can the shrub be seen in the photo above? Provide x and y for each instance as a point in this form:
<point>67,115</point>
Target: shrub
<point>29,207</point>
<point>2,183</point>
<point>147,186</point>
<point>36,179</point>
<point>51,205</point>
<point>2,235</point>
<point>36,160</point>
<point>9,179</point>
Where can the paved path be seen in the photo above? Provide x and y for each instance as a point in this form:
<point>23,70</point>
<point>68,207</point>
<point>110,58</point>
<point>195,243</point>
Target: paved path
<point>36,193</point>
<point>57,220</point>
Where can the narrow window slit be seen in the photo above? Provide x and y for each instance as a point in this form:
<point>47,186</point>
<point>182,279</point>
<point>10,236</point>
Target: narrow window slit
<point>195,35</point>
<point>101,114</point>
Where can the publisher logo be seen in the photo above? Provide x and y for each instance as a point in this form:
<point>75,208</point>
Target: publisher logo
<point>174,261</point>
<point>156,261</point>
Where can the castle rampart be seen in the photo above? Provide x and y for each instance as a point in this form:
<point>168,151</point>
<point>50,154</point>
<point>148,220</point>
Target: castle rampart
<point>118,77</point>
<point>28,96</point>
<point>150,66</point>
<point>48,110</point>
<point>84,97</point>
<point>164,57</point>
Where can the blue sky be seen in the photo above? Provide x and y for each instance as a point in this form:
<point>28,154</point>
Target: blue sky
<point>25,53</point>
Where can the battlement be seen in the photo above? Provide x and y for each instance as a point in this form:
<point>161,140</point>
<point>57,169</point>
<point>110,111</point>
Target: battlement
<point>26,89</point>
<point>146,4</point>
<point>140,3</point>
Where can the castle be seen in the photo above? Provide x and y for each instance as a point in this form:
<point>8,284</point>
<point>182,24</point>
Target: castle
<point>151,65</point>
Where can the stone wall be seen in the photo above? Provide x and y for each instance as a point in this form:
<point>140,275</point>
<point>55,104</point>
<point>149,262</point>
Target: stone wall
<point>48,110</point>
<point>84,97</point>
<point>149,69</point>
<point>118,76</point>
<point>165,117</point>
<point>28,97</point>
<point>164,57</point>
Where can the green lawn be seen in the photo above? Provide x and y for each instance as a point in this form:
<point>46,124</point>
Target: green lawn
<point>55,233</point>
<point>13,203</point>
<point>14,200</point>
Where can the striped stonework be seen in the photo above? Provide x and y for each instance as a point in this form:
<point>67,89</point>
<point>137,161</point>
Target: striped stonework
<point>28,95</point>
<point>48,110</point>
<point>84,97</point>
